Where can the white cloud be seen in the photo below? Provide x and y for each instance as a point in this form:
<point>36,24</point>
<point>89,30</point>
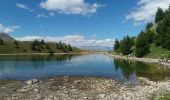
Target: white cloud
<point>70,6</point>
<point>146,9</point>
<point>23,6</point>
<point>8,29</point>
<point>41,15</point>
<point>75,40</point>
<point>51,14</point>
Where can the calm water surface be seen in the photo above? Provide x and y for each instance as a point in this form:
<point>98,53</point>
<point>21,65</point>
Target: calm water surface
<point>96,65</point>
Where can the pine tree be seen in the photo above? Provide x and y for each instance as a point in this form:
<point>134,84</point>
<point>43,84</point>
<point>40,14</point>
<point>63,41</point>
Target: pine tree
<point>42,42</point>
<point>1,41</point>
<point>70,48</point>
<point>126,45</point>
<point>57,45</point>
<point>150,35</point>
<point>16,44</point>
<point>163,30</point>
<point>116,45</point>
<point>148,26</point>
<point>60,45</point>
<point>159,15</point>
<point>142,45</point>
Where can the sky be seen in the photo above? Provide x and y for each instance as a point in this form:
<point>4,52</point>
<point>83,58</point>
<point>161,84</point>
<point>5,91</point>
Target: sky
<point>77,22</point>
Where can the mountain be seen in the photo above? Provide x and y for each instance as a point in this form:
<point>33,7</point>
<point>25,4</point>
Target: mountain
<point>97,48</point>
<point>6,37</point>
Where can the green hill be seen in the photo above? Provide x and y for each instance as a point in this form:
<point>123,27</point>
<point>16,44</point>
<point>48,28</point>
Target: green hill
<point>8,45</point>
<point>153,41</point>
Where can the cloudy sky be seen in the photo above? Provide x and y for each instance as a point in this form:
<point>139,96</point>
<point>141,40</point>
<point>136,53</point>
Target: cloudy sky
<point>78,22</point>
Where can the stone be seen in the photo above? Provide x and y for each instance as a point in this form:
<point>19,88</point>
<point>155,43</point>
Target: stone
<point>102,96</point>
<point>36,90</point>
<point>29,82</point>
<point>33,81</point>
<point>23,90</point>
<point>77,82</point>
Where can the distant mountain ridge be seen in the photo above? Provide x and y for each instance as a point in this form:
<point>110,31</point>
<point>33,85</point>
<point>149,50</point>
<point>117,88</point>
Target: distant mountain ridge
<point>97,48</point>
<point>6,37</point>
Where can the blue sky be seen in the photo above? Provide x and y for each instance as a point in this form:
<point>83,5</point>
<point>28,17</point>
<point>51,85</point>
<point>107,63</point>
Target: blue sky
<point>89,22</point>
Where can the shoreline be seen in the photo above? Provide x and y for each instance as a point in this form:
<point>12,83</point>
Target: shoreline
<point>146,60</point>
<point>72,53</point>
<point>76,88</point>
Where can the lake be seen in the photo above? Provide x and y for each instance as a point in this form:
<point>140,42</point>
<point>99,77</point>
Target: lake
<point>94,65</point>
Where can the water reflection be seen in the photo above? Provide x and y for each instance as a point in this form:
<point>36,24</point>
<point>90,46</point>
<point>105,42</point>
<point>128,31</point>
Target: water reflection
<point>98,65</point>
<point>36,58</point>
<point>10,64</point>
<point>151,71</point>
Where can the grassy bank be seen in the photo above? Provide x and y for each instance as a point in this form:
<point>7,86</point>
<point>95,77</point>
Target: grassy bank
<point>158,52</point>
<point>164,97</point>
<point>26,47</point>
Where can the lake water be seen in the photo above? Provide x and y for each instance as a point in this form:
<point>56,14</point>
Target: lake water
<point>95,65</point>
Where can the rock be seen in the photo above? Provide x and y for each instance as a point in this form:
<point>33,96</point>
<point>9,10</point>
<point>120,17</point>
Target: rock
<point>51,97</point>
<point>77,82</point>
<point>102,96</point>
<point>23,90</point>
<point>33,81</point>
<point>36,90</point>
<point>39,97</point>
<point>29,82</point>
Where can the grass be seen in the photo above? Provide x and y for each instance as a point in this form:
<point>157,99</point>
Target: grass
<point>158,52</point>
<point>162,97</point>
<point>25,47</point>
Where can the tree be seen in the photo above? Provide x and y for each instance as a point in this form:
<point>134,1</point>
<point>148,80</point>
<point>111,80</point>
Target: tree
<point>70,48</point>
<point>142,45</point>
<point>116,45</point>
<point>126,45</point>
<point>150,35</point>
<point>159,15</point>
<point>64,47</point>
<point>57,45</point>
<point>35,45</point>
<point>163,30</point>
<point>1,41</point>
<point>60,45</point>
<point>47,46</point>
<point>16,44</point>
<point>42,42</point>
<point>148,26</point>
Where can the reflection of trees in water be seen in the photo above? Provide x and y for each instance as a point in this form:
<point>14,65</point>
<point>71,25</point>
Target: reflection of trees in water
<point>126,68</point>
<point>153,72</point>
<point>36,58</point>
<point>141,69</point>
<point>13,63</point>
<point>63,57</point>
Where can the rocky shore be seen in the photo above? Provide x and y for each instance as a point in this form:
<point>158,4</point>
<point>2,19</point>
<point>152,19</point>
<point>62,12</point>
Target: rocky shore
<point>147,60</point>
<point>81,88</point>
